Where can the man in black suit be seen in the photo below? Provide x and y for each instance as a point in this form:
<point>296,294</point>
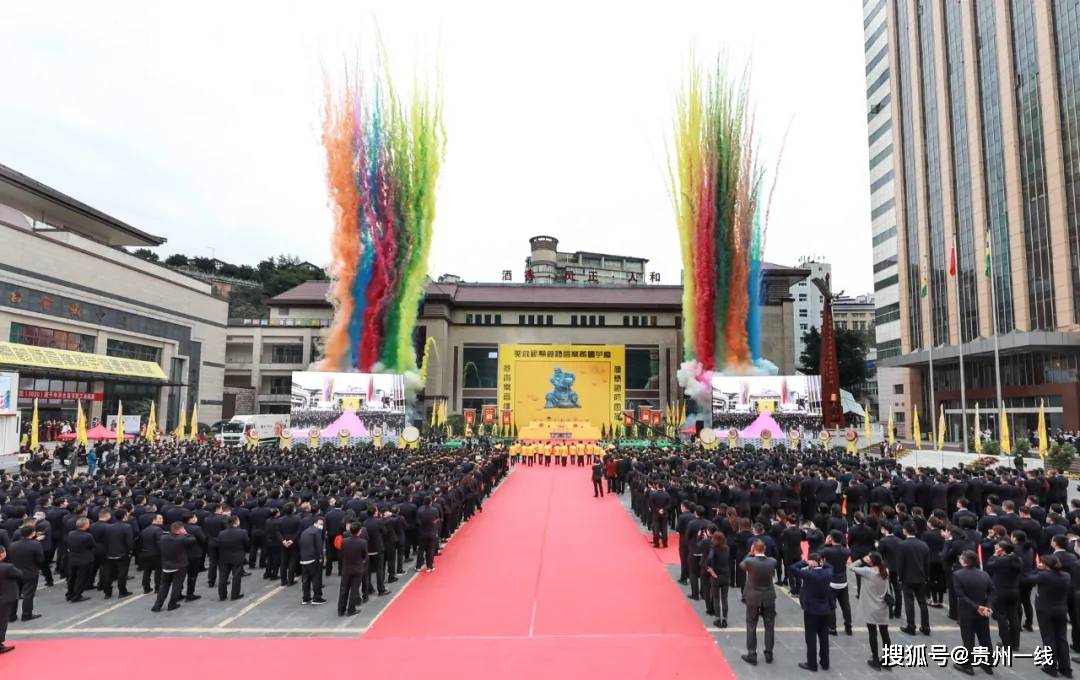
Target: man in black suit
<point>913,569</point>
<point>288,530</point>
<point>681,524</point>
<point>310,553</point>
<point>232,549</point>
<point>174,565</point>
<point>119,543</point>
<point>10,580</point>
<point>334,520</point>
<point>80,560</point>
<point>149,553</point>
<point>427,537</point>
<point>974,588</point>
<point>28,556</point>
<point>1005,568</point>
<point>598,479</point>
<point>373,527</point>
<point>354,559</point>
<point>196,550</point>
<point>212,526</point>
<point>659,507</point>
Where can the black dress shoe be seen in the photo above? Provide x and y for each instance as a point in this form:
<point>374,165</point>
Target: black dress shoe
<point>192,597</point>
<point>768,657</point>
<point>384,592</point>
<point>4,649</point>
<point>1028,627</point>
<point>173,607</point>
<point>392,579</point>
<point>750,659</point>
<point>876,665</point>
<point>81,598</point>
<point>824,666</point>
<point>155,609</point>
<point>126,593</point>
<point>924,631</point>
<point>908,631</point>
<point>807,667</point>
<point>1049,670</point>
<point>966,670</point>
<point>683,581</point>
<point>31,617</point>
<point>236,597</point>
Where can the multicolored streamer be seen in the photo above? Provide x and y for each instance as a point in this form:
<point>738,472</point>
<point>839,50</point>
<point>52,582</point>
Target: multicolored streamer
<point>716,184</point>
<point>383,160</point>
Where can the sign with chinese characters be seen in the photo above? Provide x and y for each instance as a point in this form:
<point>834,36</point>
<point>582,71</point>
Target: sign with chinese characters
<point>562,383</point>
<point>60,394</point>
<point>487,414</point>
<point>14,354</point>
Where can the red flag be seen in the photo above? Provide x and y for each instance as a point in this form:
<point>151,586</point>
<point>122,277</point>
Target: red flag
<point>952,261</point>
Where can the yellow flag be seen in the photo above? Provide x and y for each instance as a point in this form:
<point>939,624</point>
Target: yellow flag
<point>34,427</point>
<point>194,421</point>
<point>941,428</point>
<point>892,428</point>
<point>1044,440</point>
<point>434,414</point>
<point>915,431</point>
<point>866,422</point>
<point>80,428</point>
<point>1006,440</point>
<point>181,429</point>
<point>151,424</point>
<point>978,431</point>
<point>119,423</point>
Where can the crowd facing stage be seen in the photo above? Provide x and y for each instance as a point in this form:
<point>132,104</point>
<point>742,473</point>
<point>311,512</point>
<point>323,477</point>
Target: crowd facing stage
<point>183,511</point>
<point>866,541</point>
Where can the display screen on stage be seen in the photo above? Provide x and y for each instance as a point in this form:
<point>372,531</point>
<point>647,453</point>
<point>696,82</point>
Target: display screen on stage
<point>562,383</point>
<point>354,402</point>
<point>792,401</point>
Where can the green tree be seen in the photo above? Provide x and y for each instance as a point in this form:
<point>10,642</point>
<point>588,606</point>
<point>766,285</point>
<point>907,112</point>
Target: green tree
<point>146,254</point>
<point>851,348</point>
<point>176,260</point>
<point>1061,456</point>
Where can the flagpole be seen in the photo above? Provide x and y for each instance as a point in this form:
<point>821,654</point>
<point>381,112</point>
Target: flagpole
<point>933,394</point>
<point>993,317</point>
<point>960,346</point>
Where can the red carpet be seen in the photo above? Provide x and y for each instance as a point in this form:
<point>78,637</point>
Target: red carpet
<point>548,582</point>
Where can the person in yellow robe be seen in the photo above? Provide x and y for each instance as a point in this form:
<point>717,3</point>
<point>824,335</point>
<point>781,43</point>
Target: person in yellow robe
<point>547,454</point>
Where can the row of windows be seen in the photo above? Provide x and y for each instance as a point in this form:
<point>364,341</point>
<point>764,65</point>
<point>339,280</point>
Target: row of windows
<point>480,367</point>
<point>887,313</point>
<point>549,320</point>
<point>911,240</point>
<point>886,282</point>
<point>1067,32</point>
<point>889,348</point>
<point>52,385</point>
<point>587,320</point>
<point>488,320</point>
<point>881,181</point>
<point>884,264</point>
<point>132,350</point>
<point>880,156</point>
<point>39,336</point>
<point>876,134</point>
<point>1031,368</point>
<point>286,354</point>
<point>885,235</point>
<point>881,209</point>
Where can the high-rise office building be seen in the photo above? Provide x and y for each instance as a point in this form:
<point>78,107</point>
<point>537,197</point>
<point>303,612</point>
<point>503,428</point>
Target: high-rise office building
<point>973,116</point>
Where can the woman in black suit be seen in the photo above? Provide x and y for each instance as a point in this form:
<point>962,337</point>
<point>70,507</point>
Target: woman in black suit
<point>717,566</point>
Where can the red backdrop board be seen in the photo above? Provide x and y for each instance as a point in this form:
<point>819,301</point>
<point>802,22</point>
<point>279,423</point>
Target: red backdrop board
<point>470,416</point>
<point>487,414</point>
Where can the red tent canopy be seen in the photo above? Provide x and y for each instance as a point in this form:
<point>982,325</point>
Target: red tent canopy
<point>102,432</point>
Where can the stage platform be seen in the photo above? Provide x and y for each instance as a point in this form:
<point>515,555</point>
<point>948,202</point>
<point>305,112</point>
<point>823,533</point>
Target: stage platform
<point>559,430</point>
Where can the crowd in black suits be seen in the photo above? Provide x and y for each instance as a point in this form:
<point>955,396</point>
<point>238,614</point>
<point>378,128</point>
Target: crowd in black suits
<point>309,418</point>
<point>175,511</point>
<point>726,420</point>
<point>929,530</point>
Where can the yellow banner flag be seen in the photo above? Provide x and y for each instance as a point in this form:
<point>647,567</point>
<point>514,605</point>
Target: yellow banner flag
<point>151,424</point>
<point>1006,440</point>
<point>119,423</point>
<point>80,428</point>
<point>34,427</point>
<point>915,431</point>
<point>1044,439</point>
<point>181,429</point>
<point>941,428</point>
<point>978,431</point>
<point>194,422</point>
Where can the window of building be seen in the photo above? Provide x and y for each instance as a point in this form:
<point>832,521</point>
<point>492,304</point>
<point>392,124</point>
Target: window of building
<point>487,319</point>
<point>286,354</point>
<point>804,313</point>
<point>573,319</point>
<point>521,319</point>
<point>652,320</point>
<point>480,367</point>
<point>626,321</point>
<point>132,350</point>
<point>642,368</point>
<point>802,297</point>
<point>899,417</point>
<point>897,389</point>
<point>283,311</point>
<point>601,319</point>
<point>498,319</point>
<point>636,320</point>
<point>468,319</point>
<point>550,320</point>
<point>281,384</point>
<point>802,327</point>
<point>39,336</point>
<point>532,319</point>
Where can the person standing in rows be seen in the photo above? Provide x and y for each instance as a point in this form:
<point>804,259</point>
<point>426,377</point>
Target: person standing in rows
<point>10,583</point>
<point>334,519</point>
<point>232,548</point>
<point>80,560</point>
<point>28,556</point>
<point>310,553</point>
<point>150,555</point>
<point>373,527</point>
<point>873,604</point>
<point>174,566</point>
<point>816,602</point>
<point>974,589</point>
<point>427,519</point>
<point>913,570</point>
<point>354,560</point>
<point>288,529</point>
<point>1051,603</point>
<point>119,545</point>
<point>718,569</point>
<point>196,550</point>
<point>1005,568</point>
<point>836,556</point>
<point>760,598</point>
<point>659,507</point>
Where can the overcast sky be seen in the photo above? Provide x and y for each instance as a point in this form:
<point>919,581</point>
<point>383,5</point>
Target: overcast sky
<point>200,121</point>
